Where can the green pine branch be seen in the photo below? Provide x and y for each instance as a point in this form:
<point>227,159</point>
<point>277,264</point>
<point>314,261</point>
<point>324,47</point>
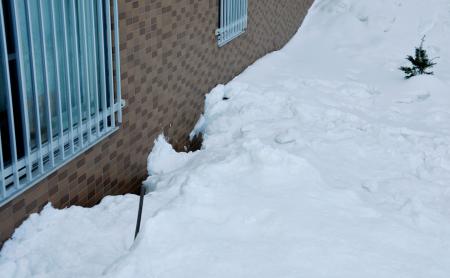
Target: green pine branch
<point>420,62</point>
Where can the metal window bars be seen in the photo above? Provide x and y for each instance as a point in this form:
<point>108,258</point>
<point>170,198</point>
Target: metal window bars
<point>57,91</point>
<point>233,20</point>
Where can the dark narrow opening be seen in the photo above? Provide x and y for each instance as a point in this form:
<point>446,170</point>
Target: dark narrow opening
<point>13,82</point>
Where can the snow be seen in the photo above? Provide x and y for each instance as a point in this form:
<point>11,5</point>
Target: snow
<point>319,160</point>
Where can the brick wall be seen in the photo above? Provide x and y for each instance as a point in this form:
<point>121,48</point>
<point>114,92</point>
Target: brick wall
<point>170,60</point>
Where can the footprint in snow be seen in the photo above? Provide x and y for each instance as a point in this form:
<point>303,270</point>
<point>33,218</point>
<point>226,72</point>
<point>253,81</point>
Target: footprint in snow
<point>287,137</point>
<point>415,99</point>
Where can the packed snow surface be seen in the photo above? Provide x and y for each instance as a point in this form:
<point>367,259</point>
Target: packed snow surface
<point>319,160</point>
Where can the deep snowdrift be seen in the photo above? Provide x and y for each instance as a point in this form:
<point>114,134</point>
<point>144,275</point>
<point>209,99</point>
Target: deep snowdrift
<point>323,162</point>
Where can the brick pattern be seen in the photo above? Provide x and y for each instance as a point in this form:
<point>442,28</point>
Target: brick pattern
<point>169,59</point>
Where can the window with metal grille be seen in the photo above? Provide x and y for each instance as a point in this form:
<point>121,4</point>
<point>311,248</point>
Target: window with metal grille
<point>58,96</point>
<point>232,20</point>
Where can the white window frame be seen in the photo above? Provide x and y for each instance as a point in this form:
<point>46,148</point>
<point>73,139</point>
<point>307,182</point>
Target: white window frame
<point>82,124</point>
<point>233,17</point>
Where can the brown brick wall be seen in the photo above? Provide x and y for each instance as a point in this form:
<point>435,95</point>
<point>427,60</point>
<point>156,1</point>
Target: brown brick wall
<point>170,60</point>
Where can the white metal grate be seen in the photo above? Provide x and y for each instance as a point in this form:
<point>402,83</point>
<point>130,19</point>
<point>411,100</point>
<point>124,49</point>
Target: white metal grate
<point>233,20</point>
<point>57,91</point>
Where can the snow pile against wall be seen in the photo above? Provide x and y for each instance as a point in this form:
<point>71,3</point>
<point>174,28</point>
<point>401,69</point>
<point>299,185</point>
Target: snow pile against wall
<point>320,160</point>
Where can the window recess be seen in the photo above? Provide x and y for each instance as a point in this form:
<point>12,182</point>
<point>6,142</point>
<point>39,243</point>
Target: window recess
<point>233,17</point>
<point>59,85</point>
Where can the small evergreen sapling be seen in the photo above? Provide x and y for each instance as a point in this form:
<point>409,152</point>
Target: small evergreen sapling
<point>420,63</point>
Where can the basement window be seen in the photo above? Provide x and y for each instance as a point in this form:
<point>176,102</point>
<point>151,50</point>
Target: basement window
<point>57,90</point>
<point>233,16</point>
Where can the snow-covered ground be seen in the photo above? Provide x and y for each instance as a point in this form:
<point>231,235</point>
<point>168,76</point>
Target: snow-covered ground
<point>323,162</point>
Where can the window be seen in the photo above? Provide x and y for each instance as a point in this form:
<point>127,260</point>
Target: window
<point>57,90</point>
<point>233,20</point>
